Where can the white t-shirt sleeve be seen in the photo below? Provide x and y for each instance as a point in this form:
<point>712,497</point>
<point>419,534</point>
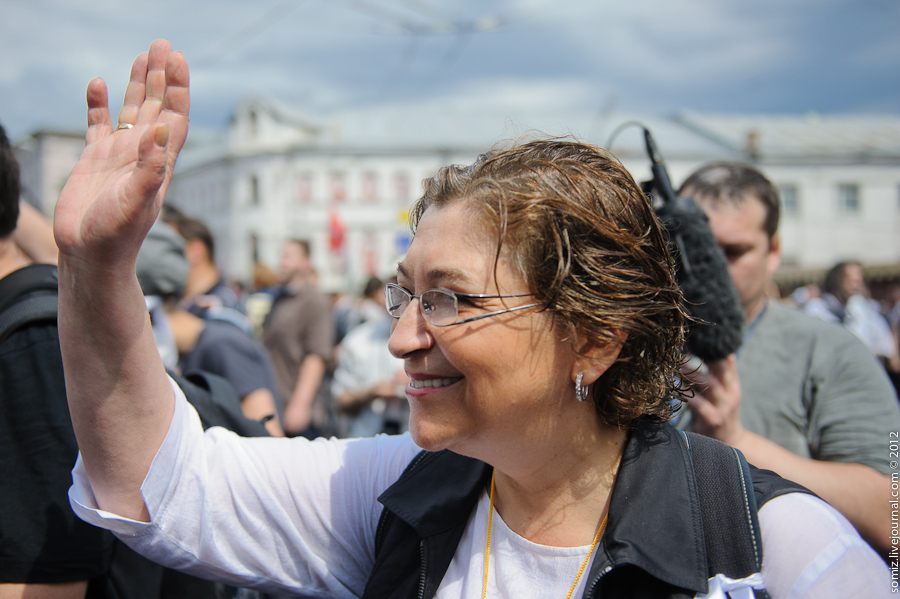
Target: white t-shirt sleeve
<point>811,551</point>
<point>276,514</point>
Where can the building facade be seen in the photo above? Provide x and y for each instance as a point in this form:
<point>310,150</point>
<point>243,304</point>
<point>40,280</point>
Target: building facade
<point>45,160</point>
<point>346,180</point>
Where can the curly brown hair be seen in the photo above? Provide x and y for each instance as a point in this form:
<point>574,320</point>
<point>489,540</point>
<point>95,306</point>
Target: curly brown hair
<point>587,242</point>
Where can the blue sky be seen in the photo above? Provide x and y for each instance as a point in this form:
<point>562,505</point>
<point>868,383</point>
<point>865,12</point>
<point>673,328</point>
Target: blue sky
<point>655,57</point>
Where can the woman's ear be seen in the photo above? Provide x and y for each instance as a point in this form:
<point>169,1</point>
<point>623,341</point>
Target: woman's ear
<point>595,358</point>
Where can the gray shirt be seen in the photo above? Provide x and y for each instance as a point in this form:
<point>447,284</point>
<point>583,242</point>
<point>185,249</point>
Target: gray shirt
<point>815,389</point>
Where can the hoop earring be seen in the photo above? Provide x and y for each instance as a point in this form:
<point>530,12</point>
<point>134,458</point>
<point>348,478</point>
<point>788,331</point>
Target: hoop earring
<point>581,391</point>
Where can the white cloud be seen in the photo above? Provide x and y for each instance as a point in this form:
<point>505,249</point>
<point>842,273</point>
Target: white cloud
<point>653,55</point>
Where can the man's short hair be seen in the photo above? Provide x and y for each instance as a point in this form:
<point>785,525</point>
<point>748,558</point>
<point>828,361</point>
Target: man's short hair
<point>373,285</point>
<point>734,183</point>
<point>193,228</point>
<point>304,245</point>
<point>10,187</point>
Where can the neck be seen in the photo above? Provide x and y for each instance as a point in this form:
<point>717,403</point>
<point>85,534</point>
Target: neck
<point>11,259</point>
<point>296,281</point>
<point>559,498</point>
<point>186,329</point>
<point>754,311</point>
<point>201,279</point>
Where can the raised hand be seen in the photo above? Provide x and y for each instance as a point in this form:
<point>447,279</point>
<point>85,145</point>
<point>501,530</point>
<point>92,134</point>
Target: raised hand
<point>119,396</point>
<point>116,189</point>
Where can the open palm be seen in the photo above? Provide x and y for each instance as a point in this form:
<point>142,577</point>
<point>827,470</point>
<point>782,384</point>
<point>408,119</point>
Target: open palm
<point>115,191</point>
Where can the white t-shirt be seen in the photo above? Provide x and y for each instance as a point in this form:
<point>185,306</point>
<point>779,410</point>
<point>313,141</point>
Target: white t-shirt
<point>285,514</point>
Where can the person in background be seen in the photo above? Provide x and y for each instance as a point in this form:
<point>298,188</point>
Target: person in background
<point>46,552</point>
<point>802,398</point>
<point>350,311</point>
<point>845,300</point>
<point>205,344</point>
<point>369,384</point>
<point>205,286</point>
<point>299,335</point>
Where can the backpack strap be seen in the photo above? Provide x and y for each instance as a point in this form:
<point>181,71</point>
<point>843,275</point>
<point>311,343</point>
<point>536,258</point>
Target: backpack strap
<point>729,512</point>
<point>30,294</point>
<point>217,403</point>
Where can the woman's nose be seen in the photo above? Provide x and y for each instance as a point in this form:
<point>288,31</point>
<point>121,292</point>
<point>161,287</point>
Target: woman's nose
<point>410,332</point>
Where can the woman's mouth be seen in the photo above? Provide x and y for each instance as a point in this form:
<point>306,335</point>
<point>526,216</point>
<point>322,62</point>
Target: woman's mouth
<point>431,383</point>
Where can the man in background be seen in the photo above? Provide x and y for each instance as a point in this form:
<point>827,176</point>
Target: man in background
<point>806,399</point>
<point>205,286</point>
<point>369,386</point>
<point>204,344</point>
<point>46,552</point>
<point>299,334</point>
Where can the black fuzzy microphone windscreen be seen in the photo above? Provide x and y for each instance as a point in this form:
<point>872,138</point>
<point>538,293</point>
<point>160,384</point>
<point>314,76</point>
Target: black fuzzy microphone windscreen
<point>702,275</point>
<point>700,268</point>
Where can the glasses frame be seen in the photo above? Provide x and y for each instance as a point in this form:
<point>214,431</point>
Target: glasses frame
<point>455,295</point>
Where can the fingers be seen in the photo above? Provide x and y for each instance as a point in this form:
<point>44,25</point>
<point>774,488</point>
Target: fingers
<point>134,93</point>
<point>150,169</point>
<point>708,415</point>
<point>99,125</point>
<point>725,371</point>
<point>177,100</point>
<point>155,89</point>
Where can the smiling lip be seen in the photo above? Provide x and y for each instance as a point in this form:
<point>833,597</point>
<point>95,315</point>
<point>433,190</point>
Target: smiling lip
<point>432,383</point>
<point>425,384</point>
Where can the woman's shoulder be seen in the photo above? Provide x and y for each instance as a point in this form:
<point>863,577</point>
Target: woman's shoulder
<point>384,455</point>
<point>811,550</point>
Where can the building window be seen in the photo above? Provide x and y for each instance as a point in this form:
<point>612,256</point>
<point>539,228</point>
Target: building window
<point>370,187</point>
<point>848,198</point>
<point>254,190</point>
<point>401,187</point>
<point>788,197</point>
<point>254,248</point>
<point>253,124</point>
<point>338,186</point>
<point>304,188</point>
<point>370,258</point>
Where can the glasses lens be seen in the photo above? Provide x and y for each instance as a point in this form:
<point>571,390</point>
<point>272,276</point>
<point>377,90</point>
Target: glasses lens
<point>439,307</point>
<point>396,300</point>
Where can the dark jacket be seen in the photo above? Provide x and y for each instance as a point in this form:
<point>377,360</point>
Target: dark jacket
<point>653,545</point>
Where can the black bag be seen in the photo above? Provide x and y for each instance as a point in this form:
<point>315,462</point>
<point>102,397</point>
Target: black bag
<point>27,296</point>
<point>31,295</point>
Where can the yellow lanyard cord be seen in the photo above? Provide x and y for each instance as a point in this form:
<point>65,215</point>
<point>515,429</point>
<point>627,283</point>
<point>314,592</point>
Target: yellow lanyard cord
<point>487,548</point>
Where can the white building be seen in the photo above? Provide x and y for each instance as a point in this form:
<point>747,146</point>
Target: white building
<point>45,160</point>
<point>345,180</point>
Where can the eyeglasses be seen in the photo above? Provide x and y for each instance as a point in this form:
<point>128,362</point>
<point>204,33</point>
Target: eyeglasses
<point>441,307</point>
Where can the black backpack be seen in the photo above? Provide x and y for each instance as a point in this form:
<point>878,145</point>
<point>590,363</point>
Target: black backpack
<point>31,296</point>
<point>28,295</point>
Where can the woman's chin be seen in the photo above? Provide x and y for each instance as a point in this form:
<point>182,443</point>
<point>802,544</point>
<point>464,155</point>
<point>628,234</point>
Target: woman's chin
<point>428,435</point>
<point>427,439</point>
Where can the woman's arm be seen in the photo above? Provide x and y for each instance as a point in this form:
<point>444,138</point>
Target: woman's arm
<point>119,396</point>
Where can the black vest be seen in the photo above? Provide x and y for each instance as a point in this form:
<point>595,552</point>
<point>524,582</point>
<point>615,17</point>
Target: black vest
<point>655,544</point>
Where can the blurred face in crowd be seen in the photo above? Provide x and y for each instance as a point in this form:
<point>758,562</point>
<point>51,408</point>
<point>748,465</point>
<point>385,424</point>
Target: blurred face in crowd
<point>751,255</point>
<point>853,282</point>
<point>295,263</point>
